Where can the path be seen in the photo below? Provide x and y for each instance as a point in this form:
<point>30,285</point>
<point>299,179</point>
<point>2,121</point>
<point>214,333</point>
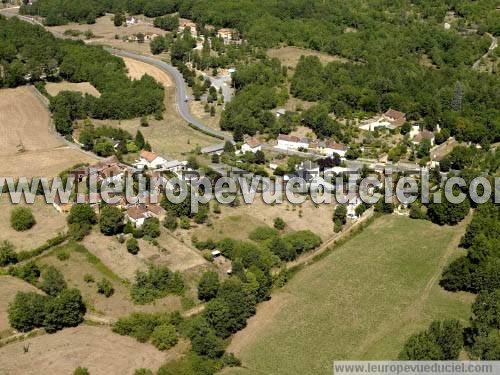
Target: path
<point>494,44</point>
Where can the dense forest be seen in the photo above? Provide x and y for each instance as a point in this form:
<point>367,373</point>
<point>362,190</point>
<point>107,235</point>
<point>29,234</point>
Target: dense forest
<point>30,54</point>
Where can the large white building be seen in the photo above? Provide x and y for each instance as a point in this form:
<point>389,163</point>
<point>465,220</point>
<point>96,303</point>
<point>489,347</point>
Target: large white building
<point>291,142</point>
<point>151,160</point>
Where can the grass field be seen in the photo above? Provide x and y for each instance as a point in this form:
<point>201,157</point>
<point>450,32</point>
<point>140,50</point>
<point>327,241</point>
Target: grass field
<point>28,145</point>
<point>54,88</point>
<point>359,302</point>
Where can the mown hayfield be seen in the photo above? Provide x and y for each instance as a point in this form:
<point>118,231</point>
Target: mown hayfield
<point>54,88</point>
<point>359,302</point>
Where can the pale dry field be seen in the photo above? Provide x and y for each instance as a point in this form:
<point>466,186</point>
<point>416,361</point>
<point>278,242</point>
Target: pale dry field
<point>120,303</point>
<point>197,110</point>
<point>105,31</point>
<point>49,223</point>
<point>290,56</point>
<point>25,121</point>
<point>9,286</point>
<point>54,88</point>
<point>170,137</point>
<point>137,69</point>
<point>97,348</point>
<point>238,222</point>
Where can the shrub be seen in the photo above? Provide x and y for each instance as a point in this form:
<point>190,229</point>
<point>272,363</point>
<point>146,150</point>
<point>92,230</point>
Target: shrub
<point>27,311</point>
<point>141,325</point>
<point>88,278</point>
<point>185,222</point>
<point>170,222</point>
<point>21,219</point>
<point>111,220</point>
<point>151,227</point>
<point>230,360</point>
<point>65,310</point>
<point>82,214</point>
<point>53,281</point>
<point>143,371</point>
<point>132,246</point>
<point>302,241</point>
<point>164,336</point>
<point>263,233</point>
<point>63,255</point>
<point>157,282</point>
<point>279,223</point>
<point>81,371</point>
<point>105,287</point>
<point>29,272</point>
<point>7,253</point>
<point>208,286</point>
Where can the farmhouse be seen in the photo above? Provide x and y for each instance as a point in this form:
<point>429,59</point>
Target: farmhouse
<point>228,35</point>
<point>354,203</point>
<point>185,23</point>
<point>291,142</point>
<point>391,119</point>
<point>424,135</point>
<point>251,145</point>
<point>137,214</point>
<point>438,153</point>
<point>149,159</point>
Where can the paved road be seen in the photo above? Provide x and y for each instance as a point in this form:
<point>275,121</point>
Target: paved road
<point>181,88</point>
<point>180,84</point>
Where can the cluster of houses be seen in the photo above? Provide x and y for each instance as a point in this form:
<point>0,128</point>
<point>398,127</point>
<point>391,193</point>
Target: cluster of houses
<point>111,170</point>
<point>326,147</point>
<point>391,119</point>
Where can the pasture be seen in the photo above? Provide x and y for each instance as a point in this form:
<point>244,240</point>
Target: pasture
<point>361,301</point>
<point>289,56</point>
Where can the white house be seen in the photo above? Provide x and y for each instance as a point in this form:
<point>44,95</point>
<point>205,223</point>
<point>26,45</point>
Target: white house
<point>175,166</point>
<point>291,142</point>
<point>139,213</point>
<point>150,160</point>
<point>331,147</point>
<point>391,120</point>
<point>424,135</point>
<point>351,207</point>
<point>252,145</point>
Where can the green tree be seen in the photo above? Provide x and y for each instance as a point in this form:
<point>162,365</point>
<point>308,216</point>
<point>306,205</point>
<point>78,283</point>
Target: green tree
<point>82,370</point>
<point>340,214</point>
<point>111,220</point>
<point>27,311</point>
<point>53,281</point>
<point>164,336</point>
<point>279,223</point>
<point>151,227</point>
<point>65,310</point>
<point>118,19</point>
<point>22,219</point>
<point>132,246</point>
<point>82,214</point>
<point>105,287</point>
<point>7,253</point>
<point>208,286</point>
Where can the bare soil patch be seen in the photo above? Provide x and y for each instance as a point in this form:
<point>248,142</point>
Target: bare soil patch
<point>137,69</point>
<point>97,348</point>
<point>54,88</point>
<point>9,286</point>
<point>49,223</point>
<point>28,144</point>
<point>290,56</point>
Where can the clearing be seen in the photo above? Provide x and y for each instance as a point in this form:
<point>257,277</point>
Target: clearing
<point>80,263</point>
<point>9,286</point>
<point>170,137</point>
<point>49,223</point>
<point>361,301</point>
<point>290,56</point>
<point>54,88</point>
<point>97,348</point>
<point>28,145</point>
<point>137,69</point>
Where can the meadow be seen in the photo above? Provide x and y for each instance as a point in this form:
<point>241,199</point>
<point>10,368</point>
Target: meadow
<point>361,301</point>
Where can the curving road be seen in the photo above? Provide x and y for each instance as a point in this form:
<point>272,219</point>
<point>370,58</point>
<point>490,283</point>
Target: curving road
<point>180,84</point>
<point>181,89</point>
<point>494,44</point>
